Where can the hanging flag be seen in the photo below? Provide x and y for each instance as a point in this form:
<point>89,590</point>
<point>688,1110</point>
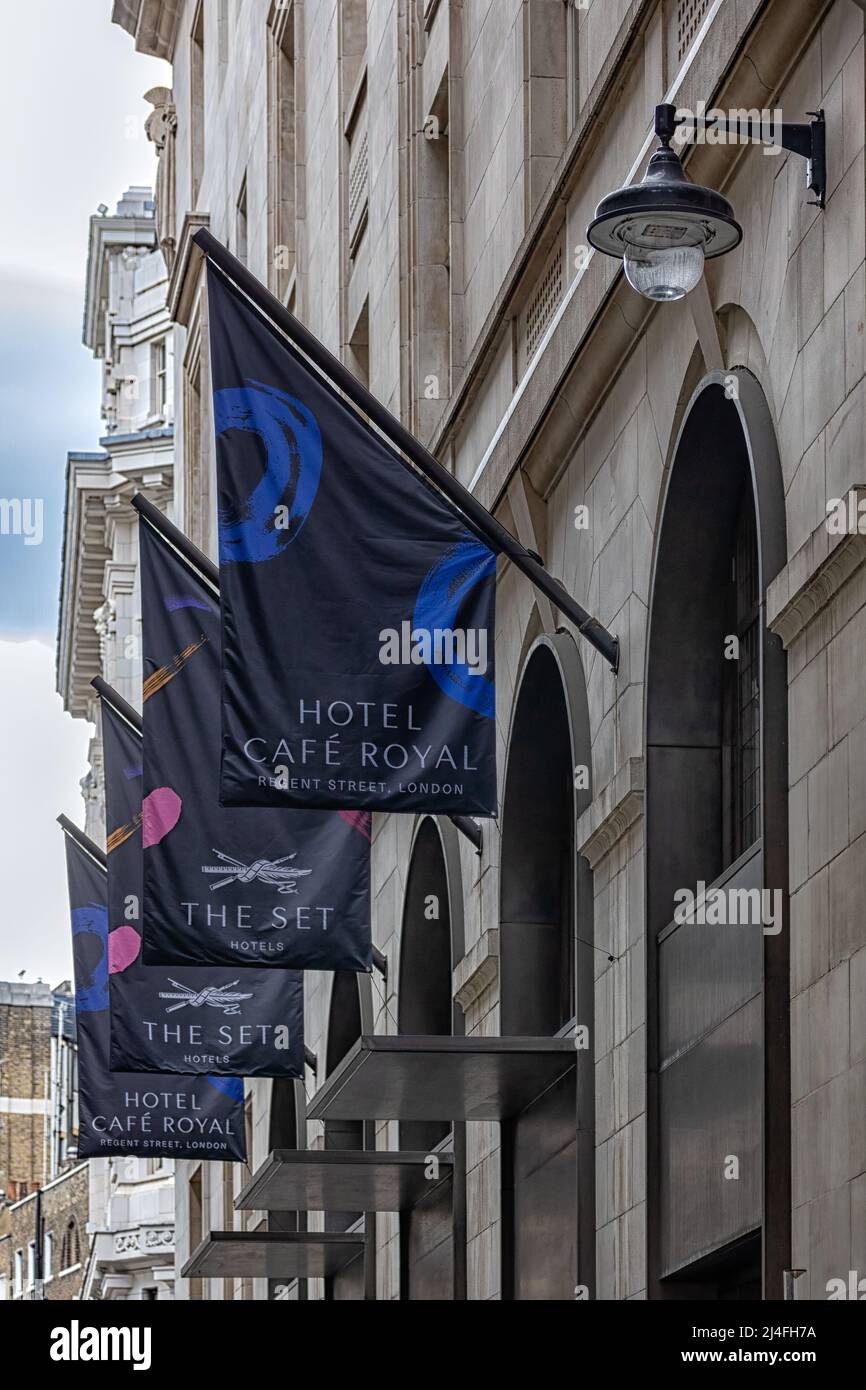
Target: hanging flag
<point>255,888</point>
<point>131,1112</point>
<point>180,1018</point>
<point>358,606</point>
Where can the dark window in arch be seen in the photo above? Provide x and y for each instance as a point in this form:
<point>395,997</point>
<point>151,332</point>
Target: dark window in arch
<point>425,1007</point>
<point>538,862</point>
<point>70,1246</point>
<point>283,1119</point>
<point>344,1029</point>
<point>547,979</point>
<point>424,1001</point>
<point>717,1049</point>
<point>286,1125</point>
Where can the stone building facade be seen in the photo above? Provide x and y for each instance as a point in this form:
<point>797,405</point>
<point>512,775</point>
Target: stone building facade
<point>414,179</point>
<point>126,326</point>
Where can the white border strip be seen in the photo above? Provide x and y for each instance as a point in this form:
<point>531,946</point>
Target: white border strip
<point>572,288</point>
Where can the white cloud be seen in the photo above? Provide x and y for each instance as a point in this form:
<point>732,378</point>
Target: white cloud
<point>43,756</point>
<point>76,87</point>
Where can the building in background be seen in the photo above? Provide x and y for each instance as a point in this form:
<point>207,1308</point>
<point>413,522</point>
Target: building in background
<point>130,1252</point>
<point>38,1137</point>
<point>57,1218</point>
<point>414,179</point>
<point>38,1086</point>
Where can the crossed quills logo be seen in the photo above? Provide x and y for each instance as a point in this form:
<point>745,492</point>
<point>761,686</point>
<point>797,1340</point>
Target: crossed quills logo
<point>358,608</point>
<point>193,1019</point>
<point>250,888</point>
<point>126,1113</point>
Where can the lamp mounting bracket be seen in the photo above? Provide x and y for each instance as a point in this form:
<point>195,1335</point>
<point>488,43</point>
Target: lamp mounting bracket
<point>805,138</point>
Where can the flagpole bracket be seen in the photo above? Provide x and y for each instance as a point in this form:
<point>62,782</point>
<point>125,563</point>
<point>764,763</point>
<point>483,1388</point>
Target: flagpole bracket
<point>603,641</point>
<point>471,829</point>
<point>380,961</point>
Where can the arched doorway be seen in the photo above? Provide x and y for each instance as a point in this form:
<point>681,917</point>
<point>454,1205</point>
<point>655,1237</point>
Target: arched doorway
<point>431,943</point>
<point>349,1014</point>
<point>546,985</point>
<point>716,827</point>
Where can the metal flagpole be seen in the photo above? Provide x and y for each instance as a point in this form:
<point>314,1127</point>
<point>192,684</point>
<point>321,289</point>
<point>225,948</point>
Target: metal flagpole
<point>483,522</point>
<point>173,534</point>
<point>83,841</point>
<point>123,708</point>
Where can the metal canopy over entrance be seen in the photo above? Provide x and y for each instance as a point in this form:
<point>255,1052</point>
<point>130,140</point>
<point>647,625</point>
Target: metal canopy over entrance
<point>441,1078</point>
<point>342,1180</point>
<point>272,1255</point>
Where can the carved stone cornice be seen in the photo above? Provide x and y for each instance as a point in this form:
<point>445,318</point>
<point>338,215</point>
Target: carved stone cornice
<point>815,574</point>
<point>478,969</point>
<point>184,280</point>
<point>152,23</point>
<point>612,813</point>
<point>88,478</point>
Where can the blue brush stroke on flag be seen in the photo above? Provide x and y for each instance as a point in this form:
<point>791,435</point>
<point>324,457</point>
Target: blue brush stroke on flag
<point>445,586</point>
<point>231,1086</point>
<point>92,920</point>
<point>293,447</point>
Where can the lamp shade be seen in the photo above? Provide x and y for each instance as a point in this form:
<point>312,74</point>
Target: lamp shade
<point>665,212</point>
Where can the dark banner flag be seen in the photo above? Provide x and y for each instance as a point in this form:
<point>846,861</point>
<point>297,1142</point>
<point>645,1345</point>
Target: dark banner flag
<point>358,606</point>
<point>131,1112</point>
<point>227,886</point>
<point>182,1018</point>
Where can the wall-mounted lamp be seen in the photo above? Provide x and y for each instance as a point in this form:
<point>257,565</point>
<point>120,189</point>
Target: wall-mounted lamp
<point>664,228</point>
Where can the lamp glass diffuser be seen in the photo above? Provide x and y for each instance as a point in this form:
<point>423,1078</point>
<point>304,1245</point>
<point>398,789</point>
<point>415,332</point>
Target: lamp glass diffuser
<point>663,275</point>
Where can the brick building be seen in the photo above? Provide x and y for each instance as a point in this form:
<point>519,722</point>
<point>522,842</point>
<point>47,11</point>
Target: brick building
<point>65,1241</point>
<point>37,1085</point>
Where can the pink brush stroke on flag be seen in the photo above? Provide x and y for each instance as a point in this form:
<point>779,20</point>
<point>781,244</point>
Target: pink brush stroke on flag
<point>124,944</point>
<point>160,813</point>
<point>359,820</point>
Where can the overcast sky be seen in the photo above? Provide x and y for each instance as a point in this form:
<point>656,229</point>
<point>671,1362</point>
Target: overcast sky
<point>74,85</point>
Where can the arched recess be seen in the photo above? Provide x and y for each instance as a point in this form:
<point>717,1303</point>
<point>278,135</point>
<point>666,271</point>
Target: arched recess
<point>432,1234</point>
<point>287,1130</point>
<point>546,977</point>
<point>286,1120</point>
<point>716,814</point>
<point>350,1013</point>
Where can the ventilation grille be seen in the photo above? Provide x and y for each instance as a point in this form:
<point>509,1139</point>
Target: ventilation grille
<point>358,187</point>
<point>542,305</point>
<point>690,14</point>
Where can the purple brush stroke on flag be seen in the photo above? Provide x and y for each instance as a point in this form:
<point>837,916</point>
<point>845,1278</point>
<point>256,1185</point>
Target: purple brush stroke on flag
<point>175,601</point>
